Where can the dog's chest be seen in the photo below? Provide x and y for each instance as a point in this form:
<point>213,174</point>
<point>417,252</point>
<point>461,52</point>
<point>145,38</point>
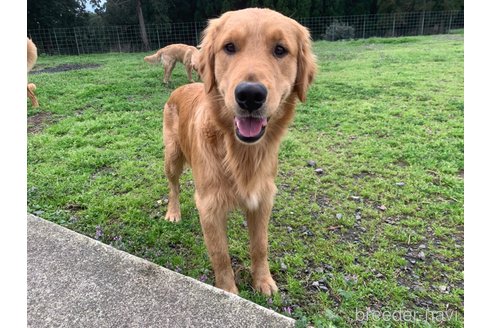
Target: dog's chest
<point>249,193</point>
<point>251,201</point>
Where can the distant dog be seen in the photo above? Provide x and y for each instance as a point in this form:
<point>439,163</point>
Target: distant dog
<point>173,53</point>
<point>32,56</point>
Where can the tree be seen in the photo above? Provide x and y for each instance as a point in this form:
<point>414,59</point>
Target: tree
<point>68,13</point>
<point>303,8</point>
<point>54,13</point>
<point>141,22</point>
<point>268,4</point>
<point>226,5</point>
<point>135,12</point>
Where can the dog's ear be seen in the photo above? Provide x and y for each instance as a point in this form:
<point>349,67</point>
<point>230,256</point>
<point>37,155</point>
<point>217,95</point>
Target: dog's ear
<point>206,59</point>
<point>306,63</point>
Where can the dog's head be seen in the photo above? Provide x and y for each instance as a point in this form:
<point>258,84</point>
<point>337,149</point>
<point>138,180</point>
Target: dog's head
<point>255,60</point>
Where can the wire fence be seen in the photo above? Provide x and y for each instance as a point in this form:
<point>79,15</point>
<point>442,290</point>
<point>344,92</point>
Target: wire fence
<point>103,39</point>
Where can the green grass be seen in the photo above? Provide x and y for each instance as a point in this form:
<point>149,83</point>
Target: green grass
<point>384,120</point>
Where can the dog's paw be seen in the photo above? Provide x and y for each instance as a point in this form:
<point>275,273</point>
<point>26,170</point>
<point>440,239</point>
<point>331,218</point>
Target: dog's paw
<point>231,288</point>
<point>173,216</point>
<point>265,285</point>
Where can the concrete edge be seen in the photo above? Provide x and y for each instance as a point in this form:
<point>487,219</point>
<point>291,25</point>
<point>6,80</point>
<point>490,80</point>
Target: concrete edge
<point>32,219</point>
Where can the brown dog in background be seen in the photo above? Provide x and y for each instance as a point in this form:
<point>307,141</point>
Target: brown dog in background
<point>32,57</point>
<point>255,64</point>
<point>173,53</point>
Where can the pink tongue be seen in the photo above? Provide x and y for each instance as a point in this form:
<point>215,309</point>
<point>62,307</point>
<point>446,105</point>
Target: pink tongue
<point>250,126</point>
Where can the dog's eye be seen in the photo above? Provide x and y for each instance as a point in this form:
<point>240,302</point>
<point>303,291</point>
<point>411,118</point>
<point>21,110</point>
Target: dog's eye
<point>279,51</point>
<point>230,48</point>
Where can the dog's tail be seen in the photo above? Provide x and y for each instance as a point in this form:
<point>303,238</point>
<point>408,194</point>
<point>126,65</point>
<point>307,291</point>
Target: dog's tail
<point>153,59</point>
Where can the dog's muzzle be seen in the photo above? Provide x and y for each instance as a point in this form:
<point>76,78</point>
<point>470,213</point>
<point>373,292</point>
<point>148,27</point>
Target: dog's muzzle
<point>250,96</point>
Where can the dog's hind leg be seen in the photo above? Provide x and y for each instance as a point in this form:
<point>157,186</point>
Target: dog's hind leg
<point>189,72</point>
<point>169,64</point>
<point>174,161</point>
<point>30,93</point>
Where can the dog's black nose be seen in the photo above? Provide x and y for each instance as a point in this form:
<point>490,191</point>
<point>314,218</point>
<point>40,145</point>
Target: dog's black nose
<point>250,95</point>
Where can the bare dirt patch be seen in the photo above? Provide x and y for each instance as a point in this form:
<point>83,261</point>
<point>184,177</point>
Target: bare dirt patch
<point>36,123</point>
<point>64,68</point>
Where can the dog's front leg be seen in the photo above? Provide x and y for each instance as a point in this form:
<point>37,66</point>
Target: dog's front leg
<point>213,219</point>
<point>258,219</point>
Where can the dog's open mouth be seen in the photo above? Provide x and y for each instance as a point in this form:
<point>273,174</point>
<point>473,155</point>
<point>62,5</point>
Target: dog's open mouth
<point>250,129</point>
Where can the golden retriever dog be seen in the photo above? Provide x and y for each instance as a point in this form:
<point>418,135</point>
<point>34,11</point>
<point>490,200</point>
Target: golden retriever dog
<point>32,57</point>
<point>255,64</point>
<point>171,54</point>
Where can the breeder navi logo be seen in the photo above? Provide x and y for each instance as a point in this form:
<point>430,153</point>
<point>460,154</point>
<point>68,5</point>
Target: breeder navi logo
<point>405,316</point>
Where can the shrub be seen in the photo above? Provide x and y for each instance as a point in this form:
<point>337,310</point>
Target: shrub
<point>338,31</point>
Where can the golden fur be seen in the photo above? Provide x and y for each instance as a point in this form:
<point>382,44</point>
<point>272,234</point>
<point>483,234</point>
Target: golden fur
<point>32,57</point>
<point>171,54</point>
<point>199,130</point>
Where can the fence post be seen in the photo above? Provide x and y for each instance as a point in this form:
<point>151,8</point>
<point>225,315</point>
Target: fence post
<point>450,20</point>
<point>423,21</point>
<point>394,22</point>
<point>56,41</point>
<point>364,28</point>
<point>101,42</point>
<point>118,37</point>
<point>197,36</point>
<point>333,30</point>
<point>82,41</point>
<point>76,41</point>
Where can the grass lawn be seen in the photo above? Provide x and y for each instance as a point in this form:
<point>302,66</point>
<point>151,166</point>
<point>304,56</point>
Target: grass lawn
<point>379,229</point>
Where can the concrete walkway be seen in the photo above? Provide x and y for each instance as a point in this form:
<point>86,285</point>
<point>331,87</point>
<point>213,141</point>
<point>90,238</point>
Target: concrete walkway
<point>75,281</point>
